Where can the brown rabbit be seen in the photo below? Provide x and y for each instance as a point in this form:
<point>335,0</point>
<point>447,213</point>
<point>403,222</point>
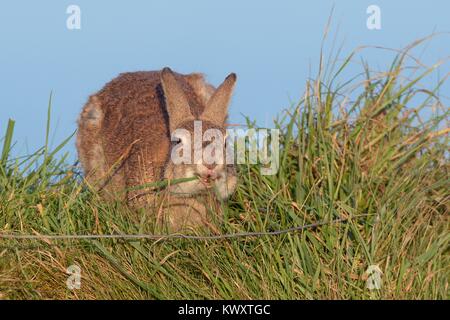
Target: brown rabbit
<point>125,139</point>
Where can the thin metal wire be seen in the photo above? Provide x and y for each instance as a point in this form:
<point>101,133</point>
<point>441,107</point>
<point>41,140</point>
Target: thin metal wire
<point>170,236</point>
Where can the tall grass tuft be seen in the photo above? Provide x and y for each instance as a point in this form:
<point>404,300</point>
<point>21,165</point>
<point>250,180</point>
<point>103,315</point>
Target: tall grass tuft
<point>353,149</point>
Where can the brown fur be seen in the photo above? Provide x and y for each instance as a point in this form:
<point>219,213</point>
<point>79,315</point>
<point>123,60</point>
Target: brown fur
<point>124,130</point>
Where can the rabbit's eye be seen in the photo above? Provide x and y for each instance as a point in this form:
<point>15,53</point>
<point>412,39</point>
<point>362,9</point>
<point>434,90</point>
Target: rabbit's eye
<point>205,144</point>
<point>176,141</point>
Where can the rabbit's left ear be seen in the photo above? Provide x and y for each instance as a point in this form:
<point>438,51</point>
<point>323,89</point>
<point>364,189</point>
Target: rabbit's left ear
<point>217,107</point>
<point>176,102</point>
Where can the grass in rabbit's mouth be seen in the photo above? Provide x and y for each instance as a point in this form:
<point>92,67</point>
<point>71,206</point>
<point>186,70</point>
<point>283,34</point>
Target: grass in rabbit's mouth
<point>346,150</point>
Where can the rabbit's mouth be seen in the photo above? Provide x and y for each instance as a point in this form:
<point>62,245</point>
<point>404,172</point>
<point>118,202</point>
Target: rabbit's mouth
<point>206,181</point>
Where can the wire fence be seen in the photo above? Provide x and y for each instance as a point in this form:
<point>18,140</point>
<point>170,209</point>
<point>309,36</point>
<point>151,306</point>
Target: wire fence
<point>296,229</point>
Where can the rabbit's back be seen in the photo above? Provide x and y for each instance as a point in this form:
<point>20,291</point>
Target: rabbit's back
<point>123,137</point>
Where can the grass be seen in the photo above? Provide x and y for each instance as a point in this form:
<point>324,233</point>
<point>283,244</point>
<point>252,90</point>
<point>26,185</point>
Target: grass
<point>347,149</point>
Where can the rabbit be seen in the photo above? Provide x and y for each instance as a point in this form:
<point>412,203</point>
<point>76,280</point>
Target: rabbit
<point>125,139</point>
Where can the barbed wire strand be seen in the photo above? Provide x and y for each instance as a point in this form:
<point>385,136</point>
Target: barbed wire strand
<point>173,235</point>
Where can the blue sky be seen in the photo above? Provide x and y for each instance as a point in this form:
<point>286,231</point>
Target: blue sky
<point>273,46</point>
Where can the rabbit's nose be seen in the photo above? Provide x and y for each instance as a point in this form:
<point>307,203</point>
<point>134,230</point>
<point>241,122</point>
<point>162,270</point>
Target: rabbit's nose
<point>210,166</point>
<point>209,174</point>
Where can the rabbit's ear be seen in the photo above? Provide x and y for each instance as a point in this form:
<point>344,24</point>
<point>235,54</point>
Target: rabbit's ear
<point>217,108</point>
<point>176,102</point>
